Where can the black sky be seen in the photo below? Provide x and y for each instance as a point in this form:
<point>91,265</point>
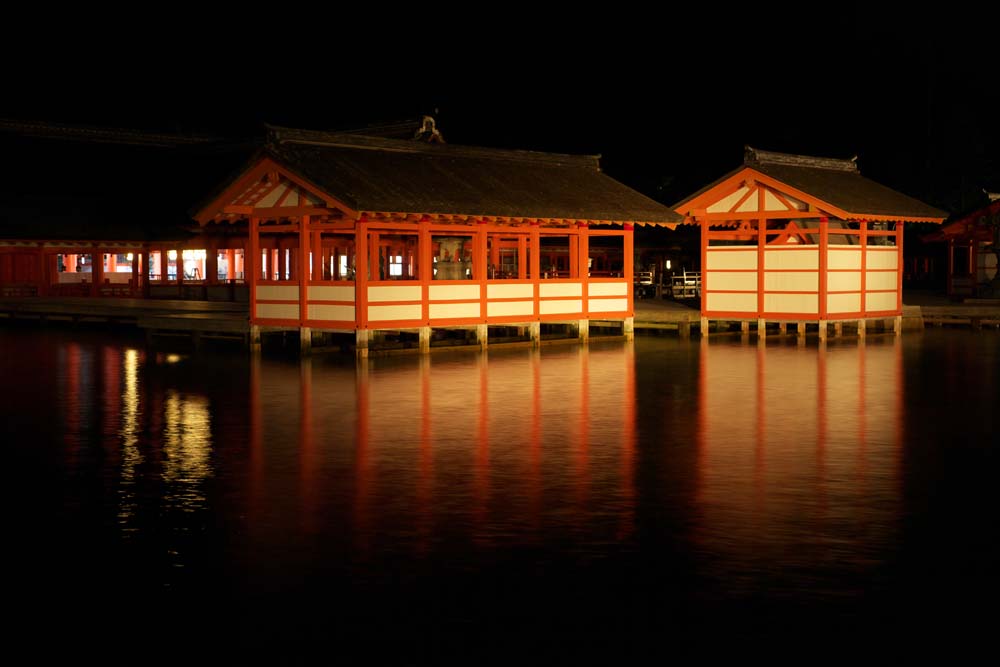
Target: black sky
<point>667,97</point>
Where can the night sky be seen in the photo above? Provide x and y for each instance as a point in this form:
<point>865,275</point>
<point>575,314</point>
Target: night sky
<point>668,99</point>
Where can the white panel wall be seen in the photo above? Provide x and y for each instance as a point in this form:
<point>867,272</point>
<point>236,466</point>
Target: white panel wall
<point>454,292</point>
<point>324,312</point>
<point>607,305</point>
<point>608,289</point>
<point>561,306</point>
<point>278,311</point>
<point>277,292</point>
<point>516,291</point>
<point>882,259</point>
<point>736,280</point>
<point>383,313</point>
<point>331,293</point>
<point>560,289</point>
<point>740,303</point>
<point>791,282</point>
<point>725,258</point>
<point>844,259</point>
<point>509,308</point>
<point>877,280</point>
<point>880,301</point>
<point>791,303</point>
<point>806,258</point>
<point>842,281</point>
<point>394,293</point>
<point>451,310</point>
<point>843,303</point>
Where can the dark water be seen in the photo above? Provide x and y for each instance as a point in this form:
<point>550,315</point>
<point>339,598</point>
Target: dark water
<point>664,498</point>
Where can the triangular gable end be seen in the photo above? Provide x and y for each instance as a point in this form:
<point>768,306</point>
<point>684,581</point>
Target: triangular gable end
<point>270,189</point>
<point>740,196</point>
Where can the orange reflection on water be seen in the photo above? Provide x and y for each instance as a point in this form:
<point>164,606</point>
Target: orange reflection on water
<point>793,443</point>
<point>491,445</point>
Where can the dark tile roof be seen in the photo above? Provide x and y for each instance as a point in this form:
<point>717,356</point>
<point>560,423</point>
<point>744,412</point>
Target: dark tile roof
<point>837,182</point>
<point>387,175</point>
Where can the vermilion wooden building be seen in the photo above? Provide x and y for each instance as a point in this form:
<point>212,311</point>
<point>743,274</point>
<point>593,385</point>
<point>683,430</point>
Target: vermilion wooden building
<point>349,232</point>
<point>972,240</point>
<point>793,238</point>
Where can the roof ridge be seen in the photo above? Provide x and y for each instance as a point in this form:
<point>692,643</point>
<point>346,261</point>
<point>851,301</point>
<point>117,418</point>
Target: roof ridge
<point>753,156</point>
<point>278,135</point>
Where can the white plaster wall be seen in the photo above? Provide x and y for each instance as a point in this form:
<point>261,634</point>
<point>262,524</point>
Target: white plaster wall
<point>607,305</point>
<point>737,280</point>
<point>277,292</point>
<point>728,202</point>
<point>516,291</point>
<point>725,258</point>
<point>791,303</point>
<point>383,313</point>
<point>561,306</point>
<point>844,259</point>
<point>881,280</point>
<point>560,289</point>
<point>880,301</point>
<point>331,293</point>
<point>394,293</point>
<point>451,310</point>
<point>806,258</point>
<point>842,282</point>
<point>791,282</point>
<point>278,311</point>
<point>325,312</point>
<point>843,303</point>
<point>608,289</point>
<point>510,308</point>
<point>882,259</point>
<point>731,302</point>
<point>454,292</point>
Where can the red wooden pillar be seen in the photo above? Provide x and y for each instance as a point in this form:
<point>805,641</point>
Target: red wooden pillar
<point>282,262</point>
<point>583,263</point>
<point>628,268</point>
<point>480,262</point>
<point>304,274</point>
<point>251,263</point>
<point>361,261</point>
<point>522,257</point>
<point>824,244</point>
<point>179,264</point>
<point>863,228</point>
<point>230,264</point>
<point>899,267</point>
<point>136,260</point>
<point>704,262</point>
<point>425,267</point>
<point>375,268</point>
<point>536,264</point>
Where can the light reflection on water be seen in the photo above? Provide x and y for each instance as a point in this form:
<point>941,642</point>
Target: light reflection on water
<point>695,481</point>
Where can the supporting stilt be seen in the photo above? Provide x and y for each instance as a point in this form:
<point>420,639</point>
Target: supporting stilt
<point>535,332</point>
<point>361,343</point>
<point>861,328</point>
<point>822,330</point>
<point>583,330</point>
<point>305,341</point>
<point>684,329</point>
<point>800,329</point>
<point>783,327</point>
<point>897,325</point>
<point>838,329</point>
<point>482,335</point>
<point>254,338</point>
<point>745,327</point>
<point>761,327</point>
<point>703,328</point>
<point>628,328</point>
